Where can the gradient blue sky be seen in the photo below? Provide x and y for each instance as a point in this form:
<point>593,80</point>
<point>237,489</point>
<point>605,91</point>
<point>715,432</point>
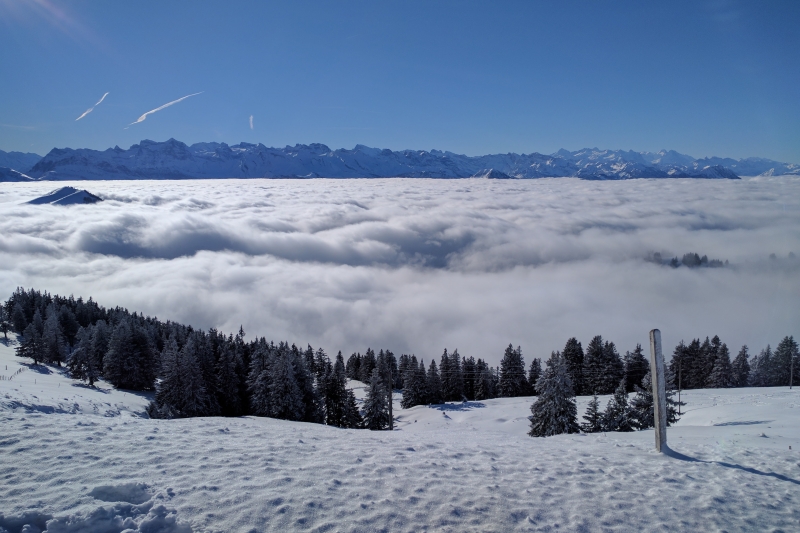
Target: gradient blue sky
<point>701,77</point>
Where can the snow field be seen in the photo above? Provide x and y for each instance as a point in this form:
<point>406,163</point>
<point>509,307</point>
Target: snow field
<point>457,467</point>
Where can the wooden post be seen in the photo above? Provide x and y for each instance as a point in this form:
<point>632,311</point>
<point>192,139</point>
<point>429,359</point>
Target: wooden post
<point>659,390</point>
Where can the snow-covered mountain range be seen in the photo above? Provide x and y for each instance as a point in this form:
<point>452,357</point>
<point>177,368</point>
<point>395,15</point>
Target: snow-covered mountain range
<point>173,159</point>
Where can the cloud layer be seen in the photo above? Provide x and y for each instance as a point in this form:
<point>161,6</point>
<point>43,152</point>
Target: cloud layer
<point>417,265</point>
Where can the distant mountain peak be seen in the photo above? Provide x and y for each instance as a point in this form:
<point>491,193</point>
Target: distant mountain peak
<point>173,159</point>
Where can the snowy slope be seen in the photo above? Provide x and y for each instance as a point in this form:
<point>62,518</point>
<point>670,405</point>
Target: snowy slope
<point>9,174</point>
<point>447,468</point>
<point>67,196</point>
<point>18,160</point>
<point>173,159</point>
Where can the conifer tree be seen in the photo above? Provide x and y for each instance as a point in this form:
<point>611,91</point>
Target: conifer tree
<point>5,323</point>
<point>99,344</point>
<point>53,338</point>
<point>352,417</point>
<point>636,366</point>
<point>376,409</point>
<point>740,369</point>
<point>512,373</point>
<point>593,417</point>
<point>68,323</point>
<point>618,415</point>
<point>484,383</point>
<point>533,374</point>
<point>470,374</point>
<point>573,355</point>
<point>312,401</point>
<point>761,371</point>
<point>31,345</point>
<point>38,322</point>
<point>785,361</point>
<point>322,367</point>
<point>446,373</point>
<point>285,396</point>
<point>615,369</point>
<point>434,384</point>
<point>228,383</point>
<point>642,404</point>
<point>18,320</point>
<point>694,367</point>
<point>457,383</point>
<point>353,366</point>
<point>81,363</point>
<point>402,368</point>
<point>594,367</point>
<point>310,360</point>
<point>192,397</point>
<point>415,387</point>
<point>336,394</point>
<point>554,410</point>
<point>129,363</point>
<point>720,377</point>
<point>368,363</point>
<point>258,378</point>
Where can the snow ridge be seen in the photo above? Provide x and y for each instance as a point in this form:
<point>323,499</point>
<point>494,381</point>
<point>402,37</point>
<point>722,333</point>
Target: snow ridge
<point>173,159</point>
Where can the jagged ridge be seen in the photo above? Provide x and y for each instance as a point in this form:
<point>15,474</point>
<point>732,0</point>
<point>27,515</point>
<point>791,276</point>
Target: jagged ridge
<point>173,159</point>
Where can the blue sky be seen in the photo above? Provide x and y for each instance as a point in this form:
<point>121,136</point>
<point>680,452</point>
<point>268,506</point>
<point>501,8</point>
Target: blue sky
<point>701,77</point>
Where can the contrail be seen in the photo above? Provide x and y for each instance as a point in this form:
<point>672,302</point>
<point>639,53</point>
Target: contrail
<point>141,119</point>
<point>251,122</point>
<point>91,108</point>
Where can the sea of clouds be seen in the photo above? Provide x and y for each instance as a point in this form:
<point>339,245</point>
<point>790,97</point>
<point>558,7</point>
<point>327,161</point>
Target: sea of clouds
<point>417,265</point>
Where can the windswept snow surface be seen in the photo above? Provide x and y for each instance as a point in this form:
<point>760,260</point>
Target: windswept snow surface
<point>455,467</point>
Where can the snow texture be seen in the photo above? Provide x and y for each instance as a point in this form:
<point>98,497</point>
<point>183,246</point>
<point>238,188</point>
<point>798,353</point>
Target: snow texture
<point>452,467</point>
<point>173,159</point>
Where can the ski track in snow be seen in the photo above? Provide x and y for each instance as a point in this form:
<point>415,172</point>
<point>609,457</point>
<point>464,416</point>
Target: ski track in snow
<point>95,463</point>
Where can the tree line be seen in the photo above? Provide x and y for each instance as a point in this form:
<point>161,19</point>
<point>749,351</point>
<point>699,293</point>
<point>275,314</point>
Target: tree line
<point>199,373</point>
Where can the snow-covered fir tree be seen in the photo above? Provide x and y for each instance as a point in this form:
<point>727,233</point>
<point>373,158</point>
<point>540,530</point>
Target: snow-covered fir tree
<point>512,373</point>
<point>720,377</point>
<point>376,408</point>
<point>80,363</point>
<point>533,374</point>
<point>53,337</point>
<point>129,362</point>
<point>434,384</point>
<point>636,366</point>
<point>642,404</point>
<point>618,415</point>
<point>593,417</point>
<point>740,369</point>
<point>31,345</point>
<point>285,395</point>
<point>554,411</point>
<point>785,362</point>
<point>761,369</point>
<point>573,355</point>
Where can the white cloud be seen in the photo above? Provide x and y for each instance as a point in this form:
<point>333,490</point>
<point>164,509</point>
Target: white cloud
<point>251,122</point>
<point>419,265</point>
<point>92,108</point>
<point>144,116</point>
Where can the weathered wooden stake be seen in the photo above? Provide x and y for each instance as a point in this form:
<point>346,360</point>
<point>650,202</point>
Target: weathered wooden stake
<point>659,389</point>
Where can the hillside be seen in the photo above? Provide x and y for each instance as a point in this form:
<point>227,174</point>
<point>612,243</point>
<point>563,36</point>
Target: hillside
<point>88,460</point>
